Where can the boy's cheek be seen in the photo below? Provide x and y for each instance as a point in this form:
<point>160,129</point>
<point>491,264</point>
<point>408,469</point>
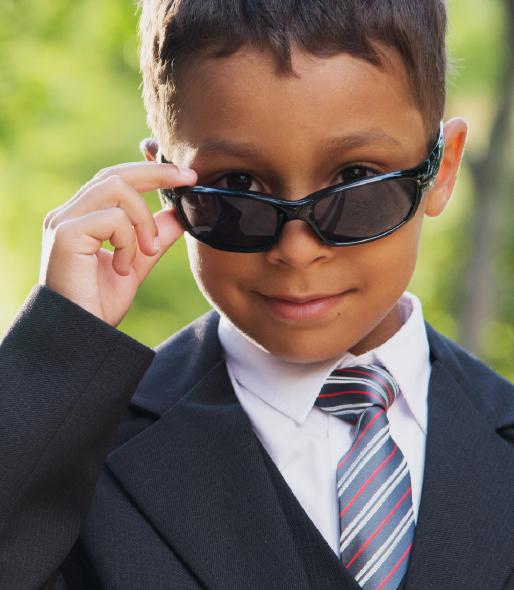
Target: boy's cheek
<point>381,271</point>
<point>217,273</point>
<point>392,258</point>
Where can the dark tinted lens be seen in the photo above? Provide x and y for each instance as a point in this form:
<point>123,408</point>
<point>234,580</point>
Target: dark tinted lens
<point>230,221</point>
<point>365,211</point>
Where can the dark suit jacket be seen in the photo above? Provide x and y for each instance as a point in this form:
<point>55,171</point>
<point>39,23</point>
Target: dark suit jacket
<point>170,488</point>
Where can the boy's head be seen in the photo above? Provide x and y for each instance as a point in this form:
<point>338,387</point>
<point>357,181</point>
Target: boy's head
<point>286,98</point>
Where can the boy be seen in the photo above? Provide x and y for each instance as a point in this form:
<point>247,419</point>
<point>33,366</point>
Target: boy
<point>233,465</point>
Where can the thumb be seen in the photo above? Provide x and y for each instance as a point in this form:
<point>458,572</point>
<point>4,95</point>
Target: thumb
<point>170,230</point>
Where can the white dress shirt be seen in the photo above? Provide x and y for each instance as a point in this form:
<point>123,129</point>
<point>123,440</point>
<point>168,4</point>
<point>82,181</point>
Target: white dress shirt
<point>306,443</point>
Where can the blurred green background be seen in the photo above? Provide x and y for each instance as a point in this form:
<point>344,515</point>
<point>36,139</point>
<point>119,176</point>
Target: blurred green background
<point>70,105</point>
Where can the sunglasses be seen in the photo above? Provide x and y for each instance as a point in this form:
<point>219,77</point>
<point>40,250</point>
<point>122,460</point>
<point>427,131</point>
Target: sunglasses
<point>341,215</point>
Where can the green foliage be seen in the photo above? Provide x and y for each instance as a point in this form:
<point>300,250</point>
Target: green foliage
<point>477,48</point>
<point>70,105</point>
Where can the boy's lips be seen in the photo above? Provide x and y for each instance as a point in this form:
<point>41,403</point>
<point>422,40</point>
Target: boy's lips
<point>289,307</point>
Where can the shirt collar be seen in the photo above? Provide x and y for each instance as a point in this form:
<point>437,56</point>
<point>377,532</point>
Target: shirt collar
<point>292,388</point>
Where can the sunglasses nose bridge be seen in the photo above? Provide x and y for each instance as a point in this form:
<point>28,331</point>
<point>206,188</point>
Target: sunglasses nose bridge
<point>300,212</point>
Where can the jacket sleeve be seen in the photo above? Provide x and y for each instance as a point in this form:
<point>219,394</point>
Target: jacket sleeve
<point>66,378</point>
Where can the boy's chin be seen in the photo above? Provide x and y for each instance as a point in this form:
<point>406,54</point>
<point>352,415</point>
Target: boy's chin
<point>301,349</point>
<point>326,341</point>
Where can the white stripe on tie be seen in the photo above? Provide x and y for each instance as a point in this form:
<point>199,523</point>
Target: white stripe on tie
<point>362,453</point>
<point>387,548</point>
<point>391,483</point>
<point>355,407</point>
<point>366,460</point>
<point>366,382</point>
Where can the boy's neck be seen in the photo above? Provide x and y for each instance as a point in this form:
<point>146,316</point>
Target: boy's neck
<point>385,330</point>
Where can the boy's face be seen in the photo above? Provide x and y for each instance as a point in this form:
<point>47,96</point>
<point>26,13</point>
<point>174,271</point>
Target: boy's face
<point>291,136</point>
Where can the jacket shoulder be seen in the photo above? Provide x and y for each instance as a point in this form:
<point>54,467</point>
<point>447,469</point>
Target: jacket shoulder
<point>492,392</point>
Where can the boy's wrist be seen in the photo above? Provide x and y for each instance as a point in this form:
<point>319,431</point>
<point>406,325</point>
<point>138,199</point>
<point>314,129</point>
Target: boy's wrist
<point>54,329</point>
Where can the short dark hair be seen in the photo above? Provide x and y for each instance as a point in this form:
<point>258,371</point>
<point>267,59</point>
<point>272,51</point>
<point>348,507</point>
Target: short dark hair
<point>173,31</point>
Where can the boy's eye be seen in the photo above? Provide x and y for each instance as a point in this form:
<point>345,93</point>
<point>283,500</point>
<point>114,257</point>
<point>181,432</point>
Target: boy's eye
<point>238,181</point>
<point>353,173</point>
<point>241,181</point>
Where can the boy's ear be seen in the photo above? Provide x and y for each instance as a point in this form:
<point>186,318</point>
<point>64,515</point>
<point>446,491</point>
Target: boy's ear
<point>455,133</point>
<point>149,148</point>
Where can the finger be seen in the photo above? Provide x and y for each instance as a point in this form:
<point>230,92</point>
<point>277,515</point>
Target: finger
<point>150,176</point>
<point>170,231</point>
<point>115,192</point>
<point>142,176</point>
<point>85,236</point>
<point>125,248</point>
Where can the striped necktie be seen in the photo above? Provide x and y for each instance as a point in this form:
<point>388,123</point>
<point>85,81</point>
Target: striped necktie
<point>373,480</point>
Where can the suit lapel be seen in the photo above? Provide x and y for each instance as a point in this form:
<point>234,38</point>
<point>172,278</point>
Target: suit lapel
<point>198,475</point>
<point>465,532</point>
<point>199,467</point>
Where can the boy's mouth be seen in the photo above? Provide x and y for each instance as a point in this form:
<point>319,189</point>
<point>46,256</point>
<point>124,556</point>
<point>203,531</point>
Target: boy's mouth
<point>292,308</point>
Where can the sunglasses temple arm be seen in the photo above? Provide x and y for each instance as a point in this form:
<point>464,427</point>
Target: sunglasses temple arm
<point>433,162</point>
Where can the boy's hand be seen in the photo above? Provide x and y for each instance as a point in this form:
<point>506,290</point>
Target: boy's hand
<point>110,207</point>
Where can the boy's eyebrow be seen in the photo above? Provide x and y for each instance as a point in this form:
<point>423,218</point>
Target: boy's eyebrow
<point>359,139</point>
<point>345,142</point>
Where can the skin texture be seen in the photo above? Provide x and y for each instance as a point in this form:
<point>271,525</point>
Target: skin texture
<point>109,207</point>
<point>286,120</point>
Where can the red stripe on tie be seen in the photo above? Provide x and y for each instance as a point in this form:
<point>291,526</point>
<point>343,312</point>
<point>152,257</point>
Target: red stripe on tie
<point>379,528</point>
<point>370,393</point>
<point>370,478</point>
<point>373,376</point>
<point>345,458</point>
<point>389,575</point>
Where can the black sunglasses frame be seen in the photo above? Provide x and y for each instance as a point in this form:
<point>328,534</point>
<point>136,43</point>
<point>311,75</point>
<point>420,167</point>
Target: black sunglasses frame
<point>423,176</point>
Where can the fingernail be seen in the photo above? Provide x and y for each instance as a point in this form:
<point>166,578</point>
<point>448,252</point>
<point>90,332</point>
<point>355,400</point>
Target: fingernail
<point>156,244</point>
<point>186,172</point>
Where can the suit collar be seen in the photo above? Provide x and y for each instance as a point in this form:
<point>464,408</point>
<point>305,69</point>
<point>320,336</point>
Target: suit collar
<point>180,363</point>
<point>199,477</point>
<point>199,468</point>
<point>491,394</point>
<point>182,360</point>
<point>465,525</point>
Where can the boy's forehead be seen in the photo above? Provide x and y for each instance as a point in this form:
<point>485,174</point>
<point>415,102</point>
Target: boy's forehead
<point>241,103</point>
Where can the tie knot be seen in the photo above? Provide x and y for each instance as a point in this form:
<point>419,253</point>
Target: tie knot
<point>350,391</point>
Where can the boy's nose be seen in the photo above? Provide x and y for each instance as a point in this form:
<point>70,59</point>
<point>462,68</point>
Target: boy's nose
<point>299,246</point>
